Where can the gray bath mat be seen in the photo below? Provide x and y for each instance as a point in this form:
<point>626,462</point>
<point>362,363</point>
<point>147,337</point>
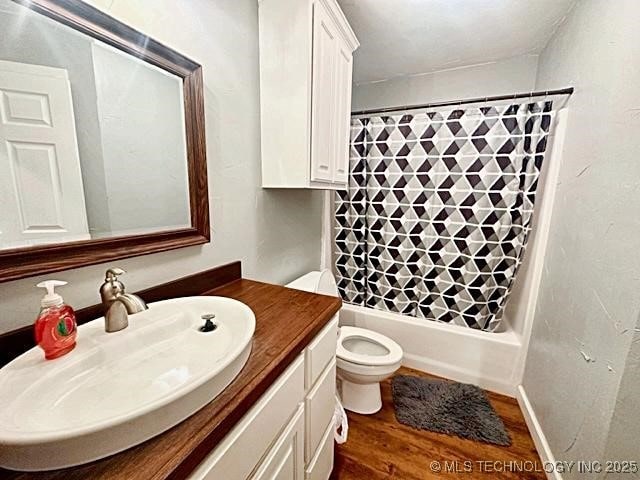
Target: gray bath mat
<point>447,407</point>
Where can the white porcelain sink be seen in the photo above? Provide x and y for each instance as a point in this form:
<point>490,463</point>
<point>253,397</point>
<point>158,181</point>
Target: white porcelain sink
<point>116,390</point>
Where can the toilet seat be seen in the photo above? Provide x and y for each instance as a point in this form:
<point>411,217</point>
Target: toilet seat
<point>393,350</point>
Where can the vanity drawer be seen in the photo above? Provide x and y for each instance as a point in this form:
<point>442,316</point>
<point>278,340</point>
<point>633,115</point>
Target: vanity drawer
<point>320,352</point>
<point>321,465</point>
<point>319,408</point>
<point>241,450</point>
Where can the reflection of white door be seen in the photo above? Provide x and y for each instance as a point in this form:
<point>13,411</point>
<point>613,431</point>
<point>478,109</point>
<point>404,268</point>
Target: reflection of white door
<point>41,192</point>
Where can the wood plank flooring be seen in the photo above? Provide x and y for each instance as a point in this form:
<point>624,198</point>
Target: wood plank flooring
<point>381,448</point>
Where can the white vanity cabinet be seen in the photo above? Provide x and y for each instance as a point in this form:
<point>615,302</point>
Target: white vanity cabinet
<point>306,63</point>
<point>288,433</point>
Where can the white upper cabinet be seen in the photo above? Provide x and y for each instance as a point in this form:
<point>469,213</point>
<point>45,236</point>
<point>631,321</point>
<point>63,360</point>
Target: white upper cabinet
<point>306,61</point>
<point>344,70</point>
<point>323,91</point>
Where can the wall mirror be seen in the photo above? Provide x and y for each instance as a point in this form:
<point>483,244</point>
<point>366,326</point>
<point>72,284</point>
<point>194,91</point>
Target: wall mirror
<point>102,150</point>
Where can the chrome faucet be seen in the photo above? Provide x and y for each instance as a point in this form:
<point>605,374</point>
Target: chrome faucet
<point>117,304</point>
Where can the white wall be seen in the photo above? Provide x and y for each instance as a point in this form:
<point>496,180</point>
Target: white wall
<point>588,303</point>
<point>622,441</point>
<point>493,78</point>
<point>276,234</point>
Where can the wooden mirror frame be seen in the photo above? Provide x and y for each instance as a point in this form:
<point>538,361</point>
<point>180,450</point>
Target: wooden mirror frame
<point>29,261</point>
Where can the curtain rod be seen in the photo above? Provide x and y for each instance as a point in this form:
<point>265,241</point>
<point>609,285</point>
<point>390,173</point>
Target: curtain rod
<point>560,91</point>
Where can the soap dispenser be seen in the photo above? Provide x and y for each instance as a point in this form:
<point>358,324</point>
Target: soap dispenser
<point>55,327</point>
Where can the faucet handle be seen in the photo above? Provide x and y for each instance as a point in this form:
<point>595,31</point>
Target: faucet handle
<point>112,273</point>
<point>112,287</point>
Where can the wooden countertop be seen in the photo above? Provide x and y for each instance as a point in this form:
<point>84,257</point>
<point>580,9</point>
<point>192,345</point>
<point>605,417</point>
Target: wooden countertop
<point>286,321</point>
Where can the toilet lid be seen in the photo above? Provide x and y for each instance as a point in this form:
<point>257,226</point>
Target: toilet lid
<point>366,347</point>
<point>327,284</point>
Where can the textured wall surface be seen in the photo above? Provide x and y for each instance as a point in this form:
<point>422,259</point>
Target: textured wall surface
<point>494,78</point>
<point>622,442</point>
<point>144,147</point>
<point>588,303</point>
<point>276,234</point>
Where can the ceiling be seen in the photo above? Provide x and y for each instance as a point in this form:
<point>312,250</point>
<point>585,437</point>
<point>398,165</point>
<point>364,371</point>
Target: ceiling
<point>404,37</point>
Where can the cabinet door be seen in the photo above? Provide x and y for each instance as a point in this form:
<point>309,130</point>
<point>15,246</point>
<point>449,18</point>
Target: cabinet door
<point>325,38</point>
<point>344,68</point>
<point>321,464</point>
<point>285,460</point>
<point>319,407</point>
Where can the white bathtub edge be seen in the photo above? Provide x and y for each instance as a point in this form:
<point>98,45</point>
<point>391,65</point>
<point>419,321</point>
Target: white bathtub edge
<point>488,360</point>
<point>458,374</point>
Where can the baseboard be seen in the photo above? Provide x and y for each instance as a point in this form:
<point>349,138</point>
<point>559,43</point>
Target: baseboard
<point>539,439</point>
<point>457,374</point>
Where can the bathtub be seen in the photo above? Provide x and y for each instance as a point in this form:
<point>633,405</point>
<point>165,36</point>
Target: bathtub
<point>487,359</point>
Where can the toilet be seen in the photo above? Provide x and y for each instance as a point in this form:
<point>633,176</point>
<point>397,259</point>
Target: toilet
<point>364,357</point>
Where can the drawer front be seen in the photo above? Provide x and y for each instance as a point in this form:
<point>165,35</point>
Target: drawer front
<point>319,408</point>
<point>285,460</point>
<point>322,463</point>
<point>320,352</point>
<point>241,450</point>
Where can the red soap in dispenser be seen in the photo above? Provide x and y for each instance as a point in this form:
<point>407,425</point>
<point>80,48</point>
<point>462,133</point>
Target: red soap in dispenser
<point>55,328</point>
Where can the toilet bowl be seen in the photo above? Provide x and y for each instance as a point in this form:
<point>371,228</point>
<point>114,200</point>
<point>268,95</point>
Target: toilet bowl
<point>364,357</point>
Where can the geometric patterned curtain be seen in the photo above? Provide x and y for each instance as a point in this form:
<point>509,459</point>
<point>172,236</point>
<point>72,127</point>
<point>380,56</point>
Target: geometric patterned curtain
<point>436,217</point>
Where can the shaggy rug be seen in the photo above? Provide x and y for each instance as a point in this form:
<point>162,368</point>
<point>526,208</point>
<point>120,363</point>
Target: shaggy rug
<point>447,407</point>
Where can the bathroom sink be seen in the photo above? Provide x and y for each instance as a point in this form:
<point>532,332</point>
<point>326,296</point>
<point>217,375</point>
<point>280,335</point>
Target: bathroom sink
<point>116,390</point>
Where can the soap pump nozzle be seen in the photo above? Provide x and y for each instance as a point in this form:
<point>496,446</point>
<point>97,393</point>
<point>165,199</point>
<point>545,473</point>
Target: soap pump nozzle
<point>51,299</point>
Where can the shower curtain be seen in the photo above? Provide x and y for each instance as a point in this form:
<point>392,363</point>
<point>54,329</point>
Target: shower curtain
<point>435,220</point>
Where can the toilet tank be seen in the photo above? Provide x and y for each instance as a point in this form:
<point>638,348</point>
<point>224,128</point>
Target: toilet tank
<point>322,282</point>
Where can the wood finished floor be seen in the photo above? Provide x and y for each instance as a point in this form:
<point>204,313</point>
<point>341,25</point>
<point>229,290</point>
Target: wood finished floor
<point>381,448</point>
